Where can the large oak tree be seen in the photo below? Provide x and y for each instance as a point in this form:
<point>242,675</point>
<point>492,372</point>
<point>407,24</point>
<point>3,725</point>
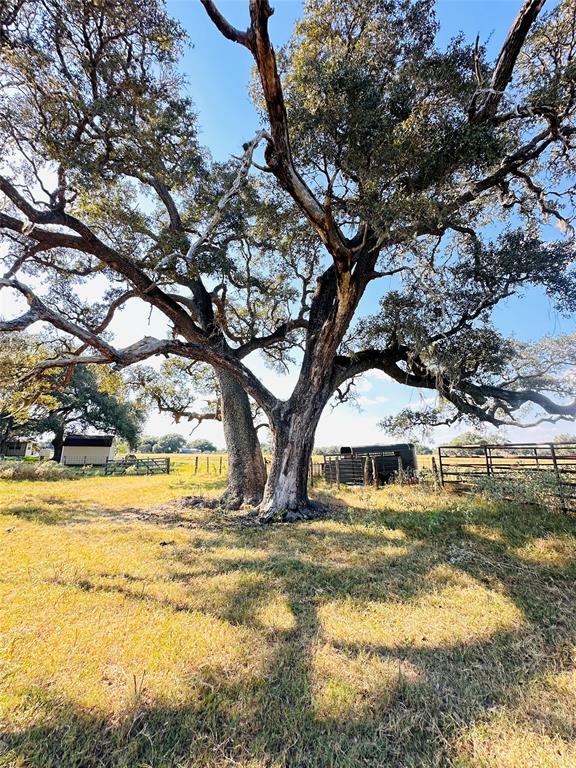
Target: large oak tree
<point>431,173</point>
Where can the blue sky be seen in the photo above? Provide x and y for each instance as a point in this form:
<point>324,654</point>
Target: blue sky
<point>218,73</point>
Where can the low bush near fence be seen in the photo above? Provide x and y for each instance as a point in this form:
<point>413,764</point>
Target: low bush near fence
<point>43,470</point>
<point>539,488</point>
<point>533,473</point>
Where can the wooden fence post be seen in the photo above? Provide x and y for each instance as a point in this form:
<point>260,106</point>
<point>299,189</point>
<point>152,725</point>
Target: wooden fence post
<point>435,470</point>
<point>196,465</point>
<point>220,467</point>
<point>441,467</point>
<point>375,475</point>
<point>168,465</point>
<point>338,472</point>
<point>487,461</point>
<point>366,473</point>
<point>558,477</point>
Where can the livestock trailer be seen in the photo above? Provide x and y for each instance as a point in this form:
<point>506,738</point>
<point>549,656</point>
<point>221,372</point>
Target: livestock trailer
<point>357,465</point>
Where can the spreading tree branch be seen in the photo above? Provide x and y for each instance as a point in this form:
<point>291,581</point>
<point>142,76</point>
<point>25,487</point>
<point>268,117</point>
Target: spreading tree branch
<point>279,153</point>
<point>485,102</point>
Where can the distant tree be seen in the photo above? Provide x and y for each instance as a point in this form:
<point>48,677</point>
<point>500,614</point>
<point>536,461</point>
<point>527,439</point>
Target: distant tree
<point>423,450</point>
<point>94,398</point>
<point>326,450</point>
<point>473,437</point>
<point>87,397</point>
<point>564,437</point>
<point>205,446</point>
<point>170,443</point>
<point>146,444</point>
<point>122,447</point>
<point>478,437</point>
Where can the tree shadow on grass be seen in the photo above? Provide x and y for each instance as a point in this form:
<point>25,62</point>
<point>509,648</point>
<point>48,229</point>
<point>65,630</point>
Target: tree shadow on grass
<point>338,699</point>
<point>51,511</point>
<point>427,515</point>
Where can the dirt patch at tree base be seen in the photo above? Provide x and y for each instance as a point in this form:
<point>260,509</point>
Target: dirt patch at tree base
<point>200,512</point>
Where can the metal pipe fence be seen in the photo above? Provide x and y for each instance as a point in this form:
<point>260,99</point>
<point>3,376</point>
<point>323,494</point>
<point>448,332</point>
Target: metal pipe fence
<point>160,466</point>
<point>462,464</point>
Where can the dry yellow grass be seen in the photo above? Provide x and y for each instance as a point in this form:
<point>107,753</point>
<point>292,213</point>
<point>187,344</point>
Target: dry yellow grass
<point>409,628</point>
<point>92,494</point>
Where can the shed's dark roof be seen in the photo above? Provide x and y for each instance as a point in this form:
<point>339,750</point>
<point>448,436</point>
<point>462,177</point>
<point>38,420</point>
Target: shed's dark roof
<point>13,443</point>
<point>93,440</point>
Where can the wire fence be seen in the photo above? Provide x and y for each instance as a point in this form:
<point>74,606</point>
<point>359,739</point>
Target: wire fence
<point>205,463</point>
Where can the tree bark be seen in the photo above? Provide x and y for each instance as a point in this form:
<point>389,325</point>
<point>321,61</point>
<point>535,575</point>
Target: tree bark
<point>58,443</point>
<point>294,424</point>
<point>286,491</point>
<point>246,470</point>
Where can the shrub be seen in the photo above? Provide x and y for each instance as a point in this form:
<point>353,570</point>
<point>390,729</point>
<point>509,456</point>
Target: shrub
<point>49,470</point>
<point>19,471</point>
<point>43,470</point>
<point>538,487</point>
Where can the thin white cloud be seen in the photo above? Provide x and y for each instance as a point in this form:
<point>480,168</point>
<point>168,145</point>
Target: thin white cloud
<point>363,385</point>
<point>363,400</point>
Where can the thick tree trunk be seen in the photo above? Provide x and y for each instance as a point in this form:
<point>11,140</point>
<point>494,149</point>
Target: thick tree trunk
<point>57,443</point>
<point>286,492</point>
<point>246,470</point>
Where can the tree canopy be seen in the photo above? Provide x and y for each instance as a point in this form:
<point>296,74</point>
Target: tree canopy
<point>21,402</point>
<point>383,160</point>
<point>203,445</point>
<point>92,399</point>
<point>170,443</point>
<point>83,398</point>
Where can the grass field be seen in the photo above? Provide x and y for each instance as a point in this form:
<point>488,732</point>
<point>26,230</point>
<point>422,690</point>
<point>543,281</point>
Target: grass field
<point>408,628</point>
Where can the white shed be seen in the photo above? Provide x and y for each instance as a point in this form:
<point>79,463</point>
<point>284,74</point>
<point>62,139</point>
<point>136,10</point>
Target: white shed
<point>19,448</point>
<point>87,449</point>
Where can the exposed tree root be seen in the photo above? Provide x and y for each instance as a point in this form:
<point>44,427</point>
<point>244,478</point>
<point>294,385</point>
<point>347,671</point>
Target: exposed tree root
<point>225,503</point>
<point>233,501</point>
<point>254,515</point>
<point>308,510</point>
